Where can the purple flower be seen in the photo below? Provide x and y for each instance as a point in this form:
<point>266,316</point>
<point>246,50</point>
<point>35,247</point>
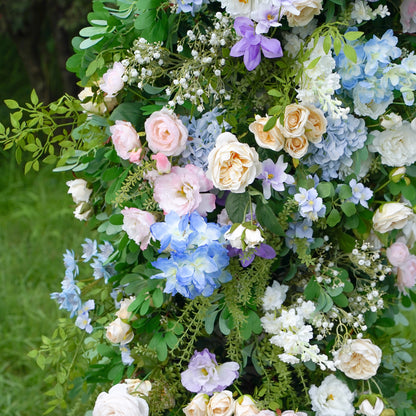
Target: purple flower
<point>204,375</point>
<point>252,43</point>
<point>266,16</point>
<point>274,176</point>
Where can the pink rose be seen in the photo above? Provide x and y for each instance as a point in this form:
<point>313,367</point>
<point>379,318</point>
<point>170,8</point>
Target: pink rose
<point>162,163</point>
<point>126,141</point>
<point>406,274</point>
<point>397,253</point>
<point>408,15</point>
<point>182,189</point>
<point>165,133</point>
<point>112,81</point>
<point>136,223</point>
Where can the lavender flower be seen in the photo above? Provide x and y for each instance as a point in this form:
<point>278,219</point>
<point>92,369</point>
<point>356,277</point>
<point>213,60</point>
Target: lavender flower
<point>252,43</point>
<point>204,375</point>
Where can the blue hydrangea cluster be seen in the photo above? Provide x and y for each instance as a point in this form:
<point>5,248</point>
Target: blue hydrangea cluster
<point>374,77</point>
<point>302,229</point>
<point>197,257</point>
<point>190,6</point>
<point>342,139</point>
<point>203,131</point>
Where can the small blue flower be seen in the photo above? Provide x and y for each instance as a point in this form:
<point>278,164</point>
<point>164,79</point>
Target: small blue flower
<point>83,320</point>
<point>89,249</point>
<point>360,193</point>
<point>70,263</point>
<point>310,204</point>
<point>126,358</point>
<point>190,6</point>
<point>106,249</point>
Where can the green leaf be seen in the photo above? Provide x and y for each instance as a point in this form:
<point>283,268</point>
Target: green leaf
<point>145,20</point>
<point>350,53</point>
<point>87,43</point>
<point>147,4</point>
<point>89,31</point>
<point>237,206</point>
<point>116,373</point>
<point>157,297</point>
<point>34,97</point>
<point>271,122</point>
<point>12,104</point>
<point>129,112</point>
<point>333,218</point>
<point>210,318</point>
<point>325,189</point>
<point>223,323</point>
<point>312,289</point>
<point>353,35</point>
<point>268,219</point>
<point>341,300</point>
<point>116,219</point>
<point>337,45</point>
<point>348,208</point>
<point>159,30</point>
<point>171,340</point>
<point>327,43</point>
<point>344,191</point>
<point>313,63</point>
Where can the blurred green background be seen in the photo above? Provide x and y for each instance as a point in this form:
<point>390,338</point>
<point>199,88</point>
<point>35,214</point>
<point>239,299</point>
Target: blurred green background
<point>36,220</point>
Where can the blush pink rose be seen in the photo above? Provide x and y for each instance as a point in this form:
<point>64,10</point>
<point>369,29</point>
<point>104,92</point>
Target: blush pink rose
<point>162,163</point>
<point>408,15</point>
<point>136,223</point>
<point>165,133</point>
<point>397,253</point>
<point>406,274</point>
<point>112,81</point>
<point>126,141</point>
<point>183,191</point>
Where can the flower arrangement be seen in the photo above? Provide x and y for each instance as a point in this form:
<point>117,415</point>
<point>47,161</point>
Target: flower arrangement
<point>248,171</point>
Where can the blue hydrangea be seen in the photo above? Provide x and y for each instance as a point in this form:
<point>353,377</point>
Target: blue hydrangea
<point>190,6</point>
<point>342,139</point>
<point>197,258</point>
<point>351,73</point>
<point>204,132</point>
<point>301,229</point>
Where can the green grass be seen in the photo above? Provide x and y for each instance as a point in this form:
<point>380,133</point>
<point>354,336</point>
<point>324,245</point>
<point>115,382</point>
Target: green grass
<point>36,227</point>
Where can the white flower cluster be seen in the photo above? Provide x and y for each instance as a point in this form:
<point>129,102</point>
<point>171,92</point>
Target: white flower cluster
<point>362,12</point>
<point>319,83</point>
<point>289,328</point>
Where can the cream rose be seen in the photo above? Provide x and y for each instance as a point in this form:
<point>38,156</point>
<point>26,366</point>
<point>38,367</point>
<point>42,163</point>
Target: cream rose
<point>316,124</point>
<point>232,165</point>
<point>358,359</point>
<point>136,386</point>
<point>367,409</point>
<point>93,107</point>
<point>165,133</point>
<point>307,10</point>
<point>79,191</point>
<point>293,413</point>
<point>119,402</point>
<point>221,404</point>
<point>83,211</point>
<point>272,139</point>
<point>297,146</point>
<point>296,116</point>
<point>245,406</point>
<point>118,332</point>
<point>197,406</point>
<point>123,313</point>
<point>391,216</point>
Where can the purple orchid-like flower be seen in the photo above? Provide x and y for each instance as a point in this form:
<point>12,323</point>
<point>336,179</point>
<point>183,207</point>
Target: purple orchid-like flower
<point>204,375</point>
<point>247,257</point>
<point>252,44</point>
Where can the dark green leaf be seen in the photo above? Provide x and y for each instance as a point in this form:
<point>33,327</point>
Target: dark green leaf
<point>333,218</point>
<point>268,219</point>
<point>237,206</point>
<point>348,208</point>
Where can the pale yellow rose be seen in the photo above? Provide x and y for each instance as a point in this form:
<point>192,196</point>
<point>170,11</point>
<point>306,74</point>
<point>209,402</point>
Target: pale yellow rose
<point>118,332</point>
<point>197,406</point>
<point>358,359</point>
<point>296,116</point>
<point>307,10</point>
<point>232,165</point>
<point>123,313</point>
<point>136,386</point>
<point>297,146</point>
<point>221,404</point>
<point>272,139</point>
<point>391,216</point>
<point>245,406</point>
<point>315,127</point>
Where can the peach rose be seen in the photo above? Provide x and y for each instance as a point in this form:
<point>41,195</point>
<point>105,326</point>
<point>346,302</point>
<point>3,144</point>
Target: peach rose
<point>358,359</point>
<point>126,141</point>
<point>296,116</point>
<point>197,406</point>
<point>245,406</point>
<point>316,124</point>
<point>221,404</point>
<point>232,165</point>
<point>272,139</point>
<point>165,133</point>
<point>297,146</point>
<point>307,10</point>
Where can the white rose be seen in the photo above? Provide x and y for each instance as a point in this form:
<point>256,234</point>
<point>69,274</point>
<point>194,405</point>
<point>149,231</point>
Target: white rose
<point>272,139</point>
<point>332,397</point>
<point>307,10</point>
<point>245,406</point>
<point>391,120</point>
<point>118,332</point>
<point>358,359</point>
<point>221,404</point>
<point>235,237</point>
<point>293,413</point>
<point>296,117</point>
<point>232,165</point>
<point>397,146</point>
<point>82,211</point>
<point>123,313</point>
<point>367,409</point>
<point>409,231</point>
<point>78,189</point>
<point>391,216</point>
<point>136,386</point>
<point>413,124</point>
<point>119,402</point>
<point>93,107</point>
<point>197,406</point>
<point>252,238</point>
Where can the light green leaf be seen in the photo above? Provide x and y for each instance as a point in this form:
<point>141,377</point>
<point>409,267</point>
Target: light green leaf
<point>350,53</point>
<point>34,97</point>
<point>333,218</point>
<point>353,35</point>
<point>12,104</point>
